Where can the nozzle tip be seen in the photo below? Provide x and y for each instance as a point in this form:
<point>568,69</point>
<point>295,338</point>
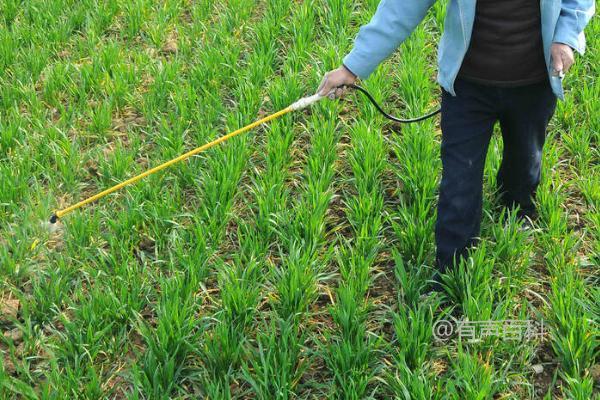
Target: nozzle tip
<point>53,219</point>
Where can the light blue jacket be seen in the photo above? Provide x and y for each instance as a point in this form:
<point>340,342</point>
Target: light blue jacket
<point>563,21</point>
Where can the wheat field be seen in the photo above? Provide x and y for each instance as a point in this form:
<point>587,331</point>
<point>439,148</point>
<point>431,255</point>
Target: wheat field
<point>289,262</point>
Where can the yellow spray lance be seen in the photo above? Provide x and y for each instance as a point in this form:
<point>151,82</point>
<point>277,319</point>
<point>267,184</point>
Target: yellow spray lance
<point>298,105</point>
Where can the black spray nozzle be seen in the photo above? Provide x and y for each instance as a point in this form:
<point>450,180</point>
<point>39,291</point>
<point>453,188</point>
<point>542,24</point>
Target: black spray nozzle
<point>53,219</point>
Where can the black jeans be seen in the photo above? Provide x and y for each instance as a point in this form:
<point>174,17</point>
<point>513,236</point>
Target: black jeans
<point>467,124</point>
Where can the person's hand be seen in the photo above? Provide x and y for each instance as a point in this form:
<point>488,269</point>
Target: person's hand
<point>330,85</point>
<point>562,58</point>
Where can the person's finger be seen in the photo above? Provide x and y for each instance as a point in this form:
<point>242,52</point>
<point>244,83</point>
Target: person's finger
<point>324,83</point>
<point>567,62</point>
<point>327,90</point>
<point>557,63</point>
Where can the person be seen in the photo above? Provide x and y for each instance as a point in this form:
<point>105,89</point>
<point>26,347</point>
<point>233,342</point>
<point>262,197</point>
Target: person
<point>497,61</point>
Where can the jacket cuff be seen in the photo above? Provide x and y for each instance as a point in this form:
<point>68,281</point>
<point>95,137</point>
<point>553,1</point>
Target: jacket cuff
<point>561,35</point>
<point>359,64</point>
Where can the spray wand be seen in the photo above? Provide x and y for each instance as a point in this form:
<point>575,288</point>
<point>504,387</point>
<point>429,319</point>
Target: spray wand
<point>298,105</point>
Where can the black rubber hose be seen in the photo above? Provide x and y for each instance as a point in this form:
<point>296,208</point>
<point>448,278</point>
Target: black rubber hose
<point>388,116</point>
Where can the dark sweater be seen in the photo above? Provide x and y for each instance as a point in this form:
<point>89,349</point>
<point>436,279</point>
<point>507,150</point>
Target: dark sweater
<point>506,44</point>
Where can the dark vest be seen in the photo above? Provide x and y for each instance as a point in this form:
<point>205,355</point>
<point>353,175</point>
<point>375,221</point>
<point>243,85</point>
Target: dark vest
<point>506,44</point>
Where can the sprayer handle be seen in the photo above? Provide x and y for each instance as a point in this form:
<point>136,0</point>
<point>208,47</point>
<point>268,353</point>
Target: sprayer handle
<point>306,102</point>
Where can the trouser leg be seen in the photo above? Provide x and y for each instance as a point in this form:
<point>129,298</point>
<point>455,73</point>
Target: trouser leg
<point>524,119</point>
<point>467,124</point>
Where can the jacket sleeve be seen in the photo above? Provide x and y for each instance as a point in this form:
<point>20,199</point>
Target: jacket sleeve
<point>392,23</point>
<point>574,16</point>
